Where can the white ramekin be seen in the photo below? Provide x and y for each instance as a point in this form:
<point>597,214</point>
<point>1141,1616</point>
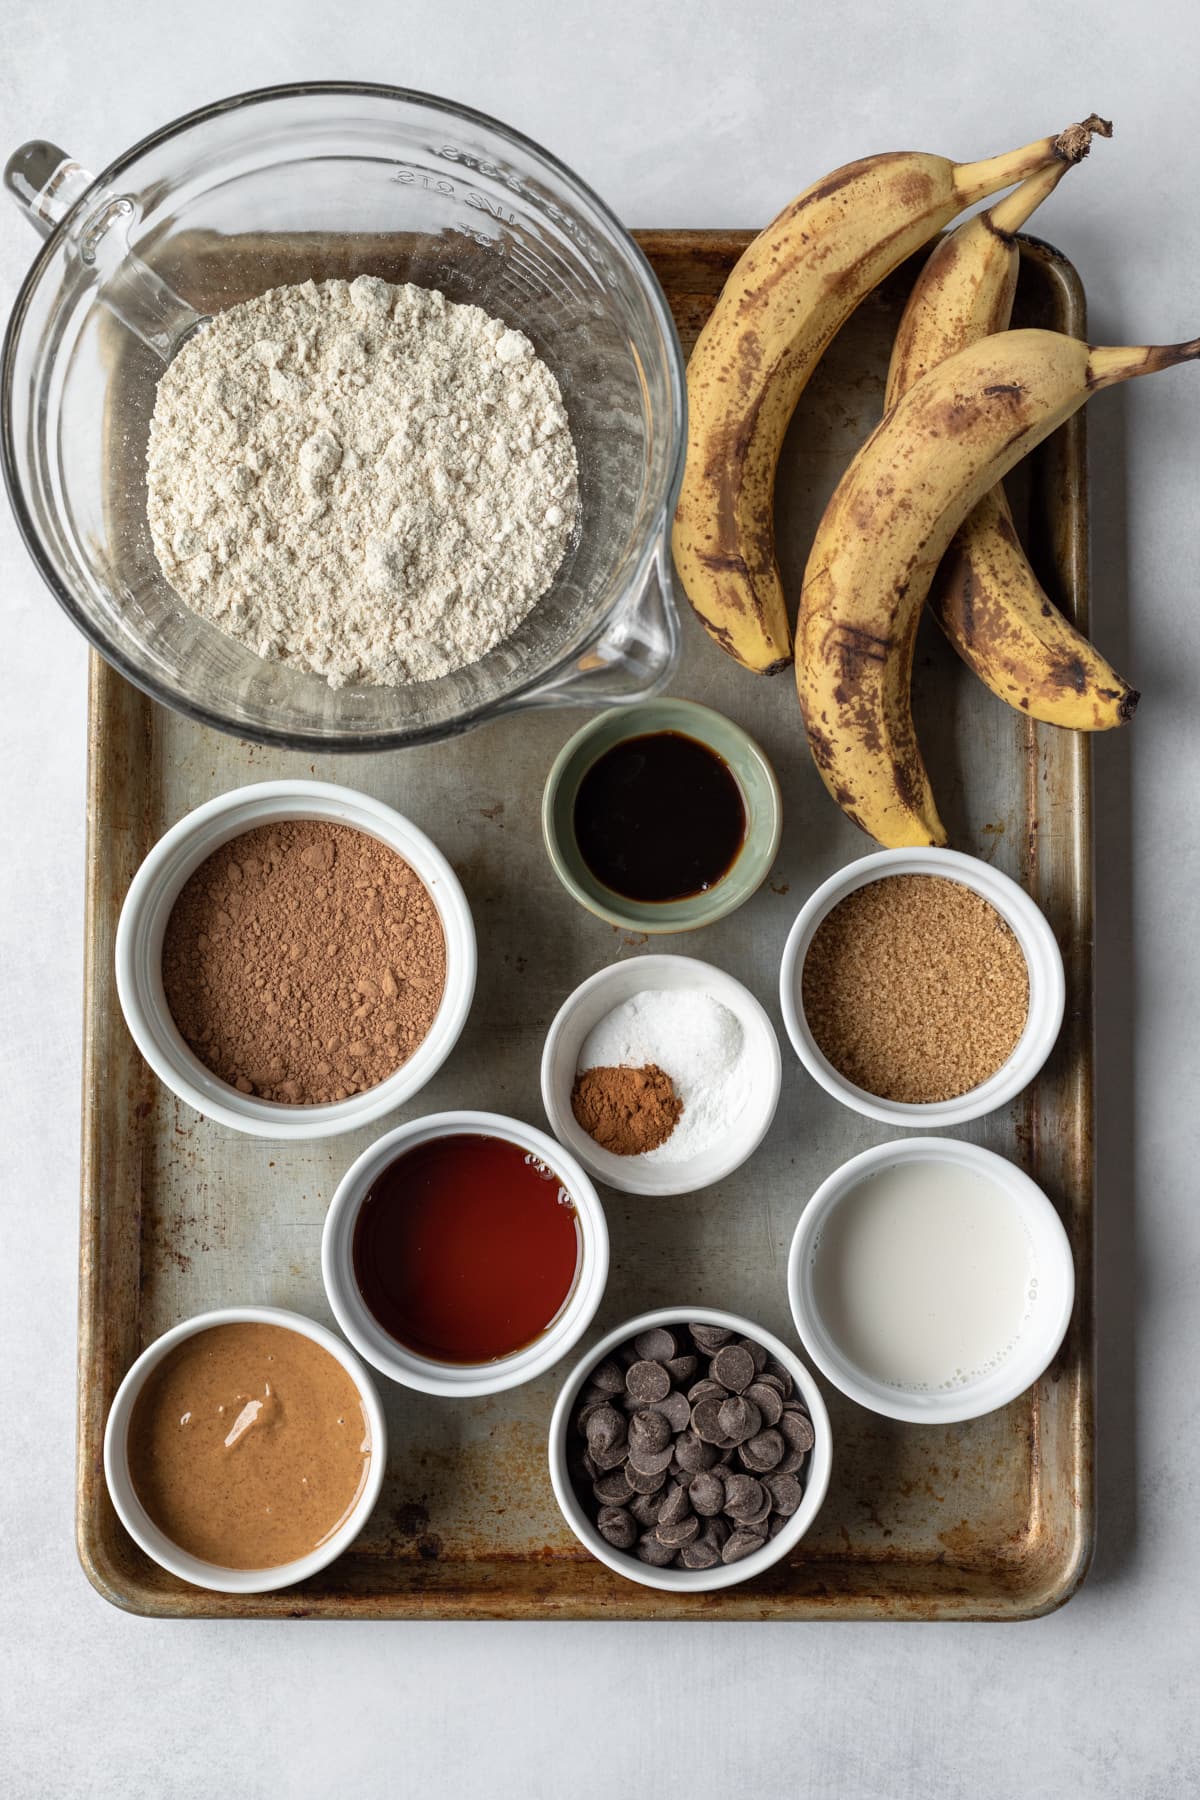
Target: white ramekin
<point>1047,986</point>
<point>585,1008</point>
<point>153,892</point>
<point>461,1380</point>
<point>692,1581</point>
<point>1036,1346</point>
<point>138,1522</point>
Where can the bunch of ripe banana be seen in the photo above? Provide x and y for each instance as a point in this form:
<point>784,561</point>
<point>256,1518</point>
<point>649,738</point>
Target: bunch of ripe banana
<point>919,513</point>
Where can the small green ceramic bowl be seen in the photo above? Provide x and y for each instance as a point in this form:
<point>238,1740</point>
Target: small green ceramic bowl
<point>749,767</point>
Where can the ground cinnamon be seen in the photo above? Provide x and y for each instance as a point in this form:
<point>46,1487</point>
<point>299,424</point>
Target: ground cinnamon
<point>626,1111</point>
<point>304,961</point>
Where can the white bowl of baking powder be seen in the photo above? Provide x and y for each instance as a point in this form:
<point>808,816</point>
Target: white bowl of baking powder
<point>724,1063</point>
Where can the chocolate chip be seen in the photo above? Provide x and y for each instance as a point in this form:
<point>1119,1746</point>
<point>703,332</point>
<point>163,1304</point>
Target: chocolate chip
<point>706,1390</point>
<point>593,1396</point>
<point>605,1427</point>
<point>785,1491</point>
<point>701,1553</point>
<point>675,1410</point>
<point>739,1419</point>
<point>650,1431</point>
<point>709,1338</point>
<point>757,1520</point>
<point>706,1493</point>
<point>706,1419</point>
<point>774,1367</point>
<point>733,1367</point>
<point>646,1508</point>
<point>658,1555</point>
<point>589,1465</point>
<point>680,1533</point>
<point>645,1481</point>
<point>762,1452</point>
<point>647,1381</point>
<point>649,1462</point>
<point>778,1521</point>
<point>693,1454</point>
<point>676,1504</point>
<point>613,1457</point>
<point>756,1352</point>
<point>767,1400</point>
<point>584,1413</point>
<point>609,1377</point>
<point>741,1544</point>
<point>789,1462</point>
<point>656,1345</point>
<point>612,1489</point>
<point>617,1527</point>
<point>744,1497</point>
<point>797,1430</point>
<point>681,1368</point>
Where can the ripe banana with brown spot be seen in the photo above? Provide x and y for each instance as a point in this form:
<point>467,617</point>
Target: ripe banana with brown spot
<point>791,290</point>
<point>942,447</point>
<point>985,595</point>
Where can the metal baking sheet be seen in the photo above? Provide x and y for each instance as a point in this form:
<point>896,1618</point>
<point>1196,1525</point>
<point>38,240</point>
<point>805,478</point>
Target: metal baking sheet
<point>991,1519</point>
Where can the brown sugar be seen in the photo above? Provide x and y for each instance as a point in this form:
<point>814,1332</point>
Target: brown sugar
<point>304,962</point>
<point>915,988</point>
<point>626,1111</point>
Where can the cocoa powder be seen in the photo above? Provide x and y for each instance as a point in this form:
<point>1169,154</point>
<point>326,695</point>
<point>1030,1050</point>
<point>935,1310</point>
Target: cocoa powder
<point>304,962</point>
<point>626,1111</point>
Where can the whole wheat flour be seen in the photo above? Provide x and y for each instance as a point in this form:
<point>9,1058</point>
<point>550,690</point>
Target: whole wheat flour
<point>369,481</point>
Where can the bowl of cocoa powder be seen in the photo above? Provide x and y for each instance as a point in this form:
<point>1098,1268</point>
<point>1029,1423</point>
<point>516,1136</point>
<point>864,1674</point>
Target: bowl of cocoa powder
<point>295,959</point>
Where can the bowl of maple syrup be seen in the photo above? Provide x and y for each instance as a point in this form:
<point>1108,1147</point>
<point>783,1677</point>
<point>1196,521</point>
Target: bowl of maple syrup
<point>663,816</point>
<point>464,1253</point>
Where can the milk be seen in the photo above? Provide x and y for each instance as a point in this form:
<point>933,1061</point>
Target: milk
<point>924,1275</point>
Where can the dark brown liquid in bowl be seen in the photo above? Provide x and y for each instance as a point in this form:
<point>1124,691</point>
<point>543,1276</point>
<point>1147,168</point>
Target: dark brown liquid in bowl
<point>659,817</point>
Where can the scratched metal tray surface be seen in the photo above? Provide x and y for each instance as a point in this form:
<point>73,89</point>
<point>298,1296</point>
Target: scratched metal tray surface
<point>991,1519</point>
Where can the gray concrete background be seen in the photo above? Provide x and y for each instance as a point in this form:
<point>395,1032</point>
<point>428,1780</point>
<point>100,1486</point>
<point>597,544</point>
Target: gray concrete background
<point>699,116</point>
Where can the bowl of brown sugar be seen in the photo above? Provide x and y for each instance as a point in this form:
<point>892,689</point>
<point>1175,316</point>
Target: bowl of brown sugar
<point>922,987</point>
<point>295,959</point>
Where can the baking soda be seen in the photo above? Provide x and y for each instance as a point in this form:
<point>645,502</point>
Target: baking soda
<point>701,1046</point>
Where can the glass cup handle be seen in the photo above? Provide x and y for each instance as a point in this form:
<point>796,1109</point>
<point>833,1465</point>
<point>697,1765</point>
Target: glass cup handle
<point>48,185</point>
<point>633,659</point>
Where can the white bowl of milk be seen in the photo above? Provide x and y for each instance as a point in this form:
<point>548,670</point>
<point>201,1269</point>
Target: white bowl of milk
<point>931,1280</point>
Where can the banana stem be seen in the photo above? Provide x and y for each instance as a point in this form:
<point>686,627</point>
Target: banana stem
<point>1075,142</point>
<point>1108,365</point>
<point>1008,215</point>
<point>974,181</point>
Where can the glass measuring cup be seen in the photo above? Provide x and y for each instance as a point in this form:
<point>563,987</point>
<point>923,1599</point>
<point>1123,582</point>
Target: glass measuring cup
<point>317,181</point>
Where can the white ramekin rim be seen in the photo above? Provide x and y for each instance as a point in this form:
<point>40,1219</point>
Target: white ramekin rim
<point>461,1381</point>
<point>1030,927</point>
<point>1035,1349</point>
<point>147,1535</point>
<point>153,891</point>
<point>692,1581</point>
<point>597,996</point>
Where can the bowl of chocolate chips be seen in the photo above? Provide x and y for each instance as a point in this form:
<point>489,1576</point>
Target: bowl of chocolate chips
<point>690,1451</point>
